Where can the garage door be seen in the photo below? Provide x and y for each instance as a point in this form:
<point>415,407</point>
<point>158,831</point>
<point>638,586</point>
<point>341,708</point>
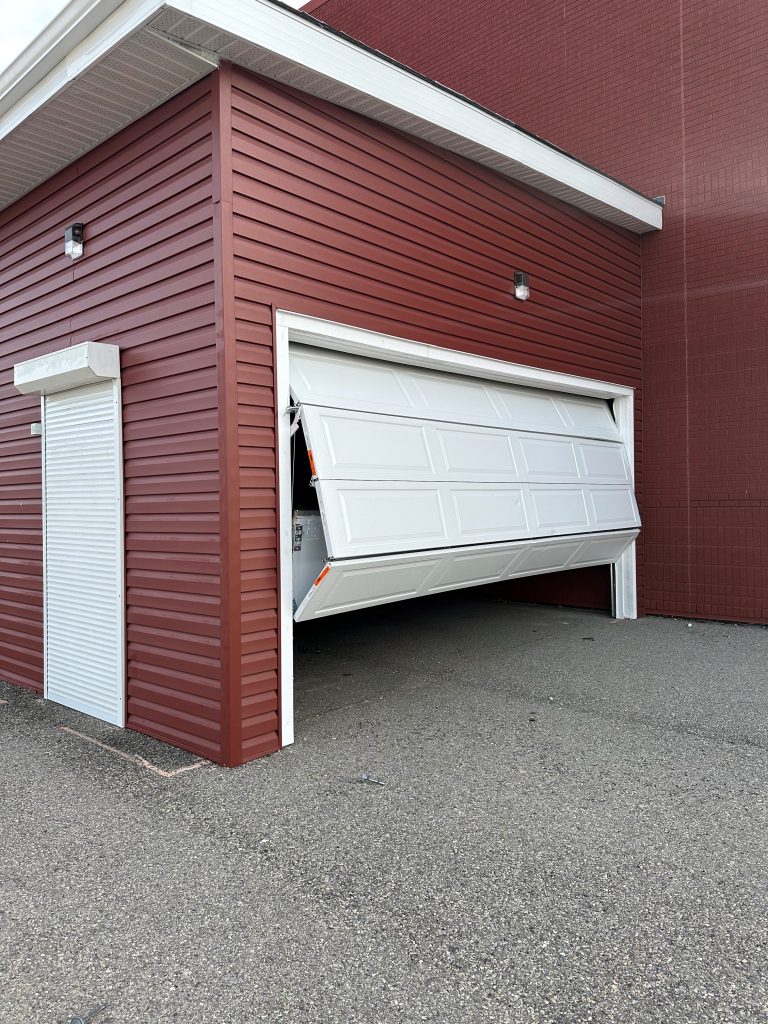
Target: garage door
<point>430,481</point>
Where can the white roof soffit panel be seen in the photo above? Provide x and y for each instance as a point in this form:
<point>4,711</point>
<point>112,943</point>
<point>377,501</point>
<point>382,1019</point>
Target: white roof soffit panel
<point>100,66</point>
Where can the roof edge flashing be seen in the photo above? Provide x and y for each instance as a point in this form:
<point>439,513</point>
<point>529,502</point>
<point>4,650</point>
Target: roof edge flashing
<point>314,46</point>
<point>70,27</point>
<point>86,31</point>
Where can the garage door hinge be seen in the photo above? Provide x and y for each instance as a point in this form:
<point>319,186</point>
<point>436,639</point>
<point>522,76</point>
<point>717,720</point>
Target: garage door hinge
<point>296,419</point>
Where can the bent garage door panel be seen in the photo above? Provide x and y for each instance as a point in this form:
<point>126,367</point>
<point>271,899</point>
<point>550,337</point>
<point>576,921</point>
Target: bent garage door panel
<point>352,584</point>
<point>340,381</point>
<point>387,518</point>
<point>473,473</point>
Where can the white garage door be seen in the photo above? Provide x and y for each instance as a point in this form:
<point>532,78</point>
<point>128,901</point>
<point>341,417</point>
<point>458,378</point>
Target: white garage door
<point>431,481</point>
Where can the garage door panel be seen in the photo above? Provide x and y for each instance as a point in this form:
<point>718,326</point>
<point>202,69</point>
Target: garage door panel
<point>409,462</point>
<point>600,549</point>
<point>386,517</point>
<point>349,445</point>
<point>604,463</point>
<point>366,582</point>
<point>550,459</point>
<point>440,395</point>
<point>332,379</point>
<point>587,417</point>
<point>549,556</point>
<point>530,410</point>
<point>475,569</point>
<point>375,517</point>
<point>476,454</point>
<point>557,509</point>
<point>340,381</point>
<point>357,446</point>
<point>488,513</point>
<point>613,507</point>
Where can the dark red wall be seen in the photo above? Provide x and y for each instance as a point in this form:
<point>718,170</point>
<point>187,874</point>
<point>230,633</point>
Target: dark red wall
<point>238,198</point>
<point>147,284</point>
<point>671,98</point>
<point>338,217</point>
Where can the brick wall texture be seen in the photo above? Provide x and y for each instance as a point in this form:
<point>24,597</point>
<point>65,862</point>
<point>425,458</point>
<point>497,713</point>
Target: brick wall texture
<point>670,96</point>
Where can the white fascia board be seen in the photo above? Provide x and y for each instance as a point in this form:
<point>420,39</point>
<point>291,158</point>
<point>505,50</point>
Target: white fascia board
<point>309,44</point>
<point>88,363</point>
<point>70,26</point>
<point>42,71</point>
<point>72,44</point>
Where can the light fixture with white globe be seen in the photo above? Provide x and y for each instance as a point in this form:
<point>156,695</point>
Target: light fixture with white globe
<point>522,287</point>
<point>73,241</point>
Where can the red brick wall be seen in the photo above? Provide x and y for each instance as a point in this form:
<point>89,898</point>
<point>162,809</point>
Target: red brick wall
<point>671,98</point>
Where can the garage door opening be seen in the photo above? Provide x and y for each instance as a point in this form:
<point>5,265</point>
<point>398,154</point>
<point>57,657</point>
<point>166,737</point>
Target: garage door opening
<point>409,471</point>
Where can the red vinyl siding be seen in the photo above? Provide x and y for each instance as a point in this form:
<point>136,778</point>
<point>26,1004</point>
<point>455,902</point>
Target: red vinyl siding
<point>338,217</point>
<point>671,98</point>
<point>201,220</point>
<point>146,283</point>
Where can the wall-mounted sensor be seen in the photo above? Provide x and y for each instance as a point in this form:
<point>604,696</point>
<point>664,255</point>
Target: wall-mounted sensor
<point>522,286</point>
<point>73,241</point>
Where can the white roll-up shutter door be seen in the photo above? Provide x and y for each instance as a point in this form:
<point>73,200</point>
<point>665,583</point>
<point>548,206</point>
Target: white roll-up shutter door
<point>83,544</point>
<point>429,481</point>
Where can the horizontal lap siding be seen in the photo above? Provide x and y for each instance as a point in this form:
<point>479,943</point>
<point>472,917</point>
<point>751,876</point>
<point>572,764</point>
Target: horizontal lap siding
<point>146,284</point>
<point>338,217</point>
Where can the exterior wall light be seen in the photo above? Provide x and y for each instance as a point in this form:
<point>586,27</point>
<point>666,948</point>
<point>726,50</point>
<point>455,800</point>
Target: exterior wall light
<point>73,241</point>
<point>522,287</point>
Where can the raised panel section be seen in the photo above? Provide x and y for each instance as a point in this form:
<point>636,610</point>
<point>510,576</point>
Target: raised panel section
<point>612,506</point>
<point>605,463</point>
<point>341,381</point>
<point>358,445</point>
<point>549,459</point>
<point>488,513</point>
<point>376,517</point>
<point>365,582</point>
<point>366,518</point>
<point>559,509</point>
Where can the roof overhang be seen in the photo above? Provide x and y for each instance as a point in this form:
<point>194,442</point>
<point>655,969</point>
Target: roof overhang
<point>102,64</point>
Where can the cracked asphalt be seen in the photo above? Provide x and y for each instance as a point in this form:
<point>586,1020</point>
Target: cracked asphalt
<point>572,828</point>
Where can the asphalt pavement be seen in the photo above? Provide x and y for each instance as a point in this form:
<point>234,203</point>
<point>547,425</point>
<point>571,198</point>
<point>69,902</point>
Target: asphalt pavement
<point>570,827</point>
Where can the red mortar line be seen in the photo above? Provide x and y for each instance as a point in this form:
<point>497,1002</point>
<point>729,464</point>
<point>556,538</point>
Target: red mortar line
<point>134,758</point>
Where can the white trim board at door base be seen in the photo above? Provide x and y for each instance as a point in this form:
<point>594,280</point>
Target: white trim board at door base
<point>292,328</point>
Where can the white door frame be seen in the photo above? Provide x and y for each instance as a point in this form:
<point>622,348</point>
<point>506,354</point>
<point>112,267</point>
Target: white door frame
<point>306,330</point>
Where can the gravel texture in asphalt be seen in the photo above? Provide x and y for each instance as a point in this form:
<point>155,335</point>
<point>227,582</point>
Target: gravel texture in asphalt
<point>571,828</point>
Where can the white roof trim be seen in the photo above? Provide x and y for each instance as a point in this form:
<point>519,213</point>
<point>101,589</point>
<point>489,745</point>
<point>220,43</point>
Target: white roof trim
<point>274,40</point>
